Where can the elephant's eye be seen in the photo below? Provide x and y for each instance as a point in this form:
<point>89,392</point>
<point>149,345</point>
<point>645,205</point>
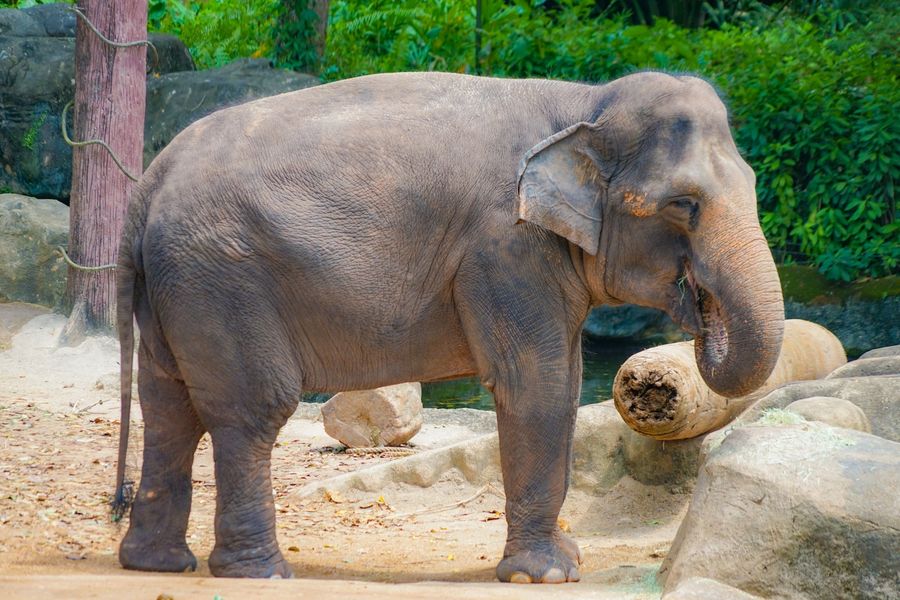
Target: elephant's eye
<point>684,203</point>
<point>684,211</point>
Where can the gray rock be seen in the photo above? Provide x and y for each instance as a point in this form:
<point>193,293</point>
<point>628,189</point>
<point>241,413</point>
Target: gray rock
<point>17,23</point>
<point>866,367</point>
<point>881,352</point>
<point>878,397</point>
<point>30,231</point>
<point>57,19</point>
<point>803,511</point>
<point>860,325</point>
<point>386,416</point>
<point>831,411</point>
<point>598,448</point>
<point>176,100</point>
<point>174,56</point>
<point>657,462</point>
<point>636,323</point>
<point>701,588</point>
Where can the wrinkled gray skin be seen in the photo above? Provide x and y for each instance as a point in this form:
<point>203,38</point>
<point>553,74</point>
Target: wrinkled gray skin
<point>419,227</point>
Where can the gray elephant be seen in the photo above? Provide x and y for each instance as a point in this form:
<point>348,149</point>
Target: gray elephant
<point>420,227</point>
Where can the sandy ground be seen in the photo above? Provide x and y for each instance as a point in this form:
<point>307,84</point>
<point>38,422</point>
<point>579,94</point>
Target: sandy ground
<point>58,439</point>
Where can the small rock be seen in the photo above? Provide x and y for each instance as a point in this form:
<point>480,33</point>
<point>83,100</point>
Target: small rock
<point>877,397</point>
<point>831,411</point>
<point>386,416</point>
<point>701,588</point>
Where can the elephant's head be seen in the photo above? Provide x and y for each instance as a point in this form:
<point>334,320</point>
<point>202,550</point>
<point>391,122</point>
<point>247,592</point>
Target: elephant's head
<point>663,207</point>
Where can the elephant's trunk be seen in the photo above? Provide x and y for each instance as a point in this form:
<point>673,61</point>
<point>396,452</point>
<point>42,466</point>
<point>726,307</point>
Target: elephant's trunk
<point>742,311</point>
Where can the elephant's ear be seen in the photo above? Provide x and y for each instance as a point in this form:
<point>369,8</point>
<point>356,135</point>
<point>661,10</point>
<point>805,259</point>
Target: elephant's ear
<point>560,186</point>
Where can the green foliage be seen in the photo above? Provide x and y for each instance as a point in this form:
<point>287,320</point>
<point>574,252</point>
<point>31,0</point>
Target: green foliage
<point>216,31</point>
<point>814,117</point>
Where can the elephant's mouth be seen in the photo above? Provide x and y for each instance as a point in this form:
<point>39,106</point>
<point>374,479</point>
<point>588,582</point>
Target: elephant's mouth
<point>698,312</point>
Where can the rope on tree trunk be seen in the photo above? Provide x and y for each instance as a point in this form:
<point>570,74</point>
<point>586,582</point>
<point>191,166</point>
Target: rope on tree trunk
<point>75,265</point>
<point>63,126</point>
<point>106,40</point>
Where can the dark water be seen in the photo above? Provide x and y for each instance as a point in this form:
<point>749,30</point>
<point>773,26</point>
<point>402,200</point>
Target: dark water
<point>601,361</point>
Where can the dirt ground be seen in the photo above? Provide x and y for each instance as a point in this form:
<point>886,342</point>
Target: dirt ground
<point>58,440</point>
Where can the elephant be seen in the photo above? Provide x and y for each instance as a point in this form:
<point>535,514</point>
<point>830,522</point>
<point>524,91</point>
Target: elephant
<point>423,227</point>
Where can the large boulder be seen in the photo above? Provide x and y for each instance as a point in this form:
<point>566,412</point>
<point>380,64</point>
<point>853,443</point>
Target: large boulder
<point>803,511</point>
<point>385,416</point>
<point>867,367</point>
<point>882,352</point>
<point>36,81</point>
<point>30,268</point>
<point>176,100</point>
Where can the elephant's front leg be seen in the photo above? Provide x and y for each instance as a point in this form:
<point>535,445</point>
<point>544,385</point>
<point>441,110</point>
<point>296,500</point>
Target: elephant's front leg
<point>536,421</point>
<point>526,342</point>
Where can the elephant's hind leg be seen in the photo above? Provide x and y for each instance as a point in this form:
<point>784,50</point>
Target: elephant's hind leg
<point>156,534</point>
<point>245,388</point>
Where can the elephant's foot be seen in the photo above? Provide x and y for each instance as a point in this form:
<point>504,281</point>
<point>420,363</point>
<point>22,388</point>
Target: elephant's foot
<point>150,555</point>
<point>223,563</point>
<point>545,561</point>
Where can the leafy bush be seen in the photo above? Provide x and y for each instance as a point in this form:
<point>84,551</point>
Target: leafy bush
<point>814,117</point>
<point>216,31</point>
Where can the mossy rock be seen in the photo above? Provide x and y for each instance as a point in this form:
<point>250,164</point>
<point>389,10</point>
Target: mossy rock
<point>805,284</point>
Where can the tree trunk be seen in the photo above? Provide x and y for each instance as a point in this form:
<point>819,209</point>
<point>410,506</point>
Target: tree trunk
<point>302,27</point>
<point>321,9</point>
<point>110,91</point>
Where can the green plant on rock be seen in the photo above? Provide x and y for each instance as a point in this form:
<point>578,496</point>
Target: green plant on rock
<point>30,137</point>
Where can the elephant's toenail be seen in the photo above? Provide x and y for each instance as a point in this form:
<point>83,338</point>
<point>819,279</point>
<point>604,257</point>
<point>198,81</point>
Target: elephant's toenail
<point>519,577</point>
<point>574,575</point>
<point>554,575</point>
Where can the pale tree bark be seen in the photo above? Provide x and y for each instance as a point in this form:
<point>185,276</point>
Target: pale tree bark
<point>110,91</point>
<point>321,9</point>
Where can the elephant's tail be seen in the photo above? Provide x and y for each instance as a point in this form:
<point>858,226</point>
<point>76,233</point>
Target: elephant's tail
<point>127,275</point>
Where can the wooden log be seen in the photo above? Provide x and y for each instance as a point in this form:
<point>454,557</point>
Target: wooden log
<point>659,392</point>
